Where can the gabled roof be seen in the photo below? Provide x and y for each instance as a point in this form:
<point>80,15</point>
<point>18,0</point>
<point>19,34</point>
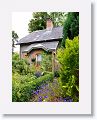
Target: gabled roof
<point>43,35</point>
<point>48,46</point>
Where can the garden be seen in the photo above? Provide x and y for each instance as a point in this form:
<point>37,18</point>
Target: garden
<point>30,84</point>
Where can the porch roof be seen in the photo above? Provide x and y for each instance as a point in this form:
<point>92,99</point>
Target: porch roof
<point>47,46</point>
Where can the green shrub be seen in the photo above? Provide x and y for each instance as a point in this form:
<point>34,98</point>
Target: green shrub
<point>15,56</point>
<point>23,85</point>
<point>46,63</point>
<point>45,78</point>
<point>56,73</point>
<point>69,70</point>
<point>21,66</point>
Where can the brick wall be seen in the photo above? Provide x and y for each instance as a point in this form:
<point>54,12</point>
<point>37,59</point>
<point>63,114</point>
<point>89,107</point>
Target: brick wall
<point>33,53</point>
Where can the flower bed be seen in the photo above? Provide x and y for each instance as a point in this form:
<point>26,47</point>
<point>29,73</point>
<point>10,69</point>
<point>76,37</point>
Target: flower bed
<point>23,85</point>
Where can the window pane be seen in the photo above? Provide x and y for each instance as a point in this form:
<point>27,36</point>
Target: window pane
<point>39,57</point>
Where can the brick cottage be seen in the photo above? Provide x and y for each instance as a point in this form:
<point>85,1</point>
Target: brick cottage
<point>32,45</point>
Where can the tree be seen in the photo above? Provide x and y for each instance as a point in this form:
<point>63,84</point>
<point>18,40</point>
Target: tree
<point>14,39</point>
<point>58,18</point>
<point>71,26</point>
<point>38,22</point>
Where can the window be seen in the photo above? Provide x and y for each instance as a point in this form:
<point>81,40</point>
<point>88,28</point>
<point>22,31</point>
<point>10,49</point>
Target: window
<point>38,58</point>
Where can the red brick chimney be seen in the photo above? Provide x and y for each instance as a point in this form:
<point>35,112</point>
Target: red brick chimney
<point>49,24</point>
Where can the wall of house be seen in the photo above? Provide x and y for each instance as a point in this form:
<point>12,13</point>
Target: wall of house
<point>30,55</point>
<point>33,53</point>
<point>22,48</point>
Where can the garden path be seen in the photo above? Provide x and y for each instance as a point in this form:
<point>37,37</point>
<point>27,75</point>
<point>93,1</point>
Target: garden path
<point>50,92</point>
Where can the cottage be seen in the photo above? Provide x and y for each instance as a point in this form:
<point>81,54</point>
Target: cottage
<point>32,45</point>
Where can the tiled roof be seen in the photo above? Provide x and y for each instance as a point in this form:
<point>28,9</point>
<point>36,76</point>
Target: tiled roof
<point>43,35</point>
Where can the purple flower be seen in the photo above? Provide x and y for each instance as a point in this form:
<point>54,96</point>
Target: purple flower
<point>36,92</point>
<point>45,96</point>
<point>40,99</point>
<point>40,91</point>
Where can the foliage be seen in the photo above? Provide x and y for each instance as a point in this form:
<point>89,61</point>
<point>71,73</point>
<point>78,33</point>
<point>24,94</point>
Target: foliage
<point>46,63</point>
<point>21,87</point>
<point>20,66</point>
<point>38,22</point>
<point>15,56</point>
<point>69,70</point>
<point>24,85</point>
<point>24,82</point>
<point>71,26</point>
<point>56,73</point>
<point>58,18</point>
<point>14,39</point>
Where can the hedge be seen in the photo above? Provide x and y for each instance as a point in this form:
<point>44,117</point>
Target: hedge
<point>24,85</point>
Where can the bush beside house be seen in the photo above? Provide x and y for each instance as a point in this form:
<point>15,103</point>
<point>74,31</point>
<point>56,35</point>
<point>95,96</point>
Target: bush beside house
<point>69,68</point>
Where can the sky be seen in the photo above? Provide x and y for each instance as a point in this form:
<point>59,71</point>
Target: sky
<point>20,22</point>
